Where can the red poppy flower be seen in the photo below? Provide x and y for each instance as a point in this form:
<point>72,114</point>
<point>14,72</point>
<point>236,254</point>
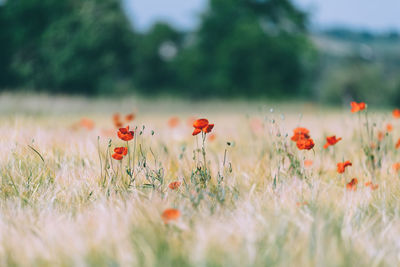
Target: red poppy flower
<point>356,107</point>
<point>381,135</point>
<point>125,134</point>
<point>331,140</point>
<point>389,127</point>
<point>308,163</point>
<point>173,122</point>
<point>119,153</point>
<point>87,123</point>
<point>396,113</point>
<point>396,166</point>
<point>170,214</point>
<point>371,185</point>
<point>352,185</point>
<point>341,166</point>
<point>305,144</point>
<point>300,133</point>
<point>174,185</point>
<point>208,128</point>
<point>398,144</point>
<point>202,125</point>
<point>130,117</point>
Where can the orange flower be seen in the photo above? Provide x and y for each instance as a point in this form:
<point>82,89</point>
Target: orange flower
<point>331,140</point>
<point>174,185</point>
<point>396,113</point>
<point>130,117</point>
<point>303,203</point>
<point>125,134</point>
<point>119,153</point>
<point>212,137</point>
<point>381,135</point>
<point>389,127</point>
<point>356,107</point>
<point>398,144</point>
<point>305,144</point>
<point>308,163</point>
<point>341,166</point>
<point>87,123</point>
<point>300,133</point>
<point>173,122</point>
<point>396,166</point>
<point>202,125</point>
<point>208,128</point>
<point>170,214</point>
<point>371,185</point>
<point>352,185</point>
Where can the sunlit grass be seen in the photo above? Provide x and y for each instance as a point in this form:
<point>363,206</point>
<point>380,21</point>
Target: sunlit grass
<point>59,207</point>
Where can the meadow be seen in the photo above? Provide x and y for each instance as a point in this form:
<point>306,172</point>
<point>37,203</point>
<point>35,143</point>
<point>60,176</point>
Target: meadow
<point>246,196</point>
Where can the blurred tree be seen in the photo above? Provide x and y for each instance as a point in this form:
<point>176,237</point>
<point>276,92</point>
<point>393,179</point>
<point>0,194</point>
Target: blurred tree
<point>68,46</point>
<point>155,58</point>
<point>247,47</point>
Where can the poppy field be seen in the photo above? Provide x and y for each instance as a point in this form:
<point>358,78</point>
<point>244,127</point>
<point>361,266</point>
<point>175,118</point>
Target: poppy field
<point>173,183</point>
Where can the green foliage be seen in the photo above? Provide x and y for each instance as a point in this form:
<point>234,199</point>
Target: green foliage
<point>247,48</point>
<point>67,46</point>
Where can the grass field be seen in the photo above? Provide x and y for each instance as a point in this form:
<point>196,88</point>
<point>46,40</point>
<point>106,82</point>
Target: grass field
<point>254,202</point>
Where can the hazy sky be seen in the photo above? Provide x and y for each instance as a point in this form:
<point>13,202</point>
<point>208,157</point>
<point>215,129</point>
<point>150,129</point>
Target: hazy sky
<point>360,14</point>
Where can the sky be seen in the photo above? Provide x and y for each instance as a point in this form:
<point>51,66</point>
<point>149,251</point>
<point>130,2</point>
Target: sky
<point>376,15</point>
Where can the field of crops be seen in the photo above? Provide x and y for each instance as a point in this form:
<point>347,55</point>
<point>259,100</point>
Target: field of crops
<point>254,190</point>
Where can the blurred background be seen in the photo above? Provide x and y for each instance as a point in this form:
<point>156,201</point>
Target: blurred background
<point>326,51</point>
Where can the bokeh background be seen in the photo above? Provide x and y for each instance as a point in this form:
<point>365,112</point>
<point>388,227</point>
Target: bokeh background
<point>325,51</point>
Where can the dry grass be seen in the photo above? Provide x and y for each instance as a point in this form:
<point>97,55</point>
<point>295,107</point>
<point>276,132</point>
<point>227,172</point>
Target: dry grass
<point>267,211</point>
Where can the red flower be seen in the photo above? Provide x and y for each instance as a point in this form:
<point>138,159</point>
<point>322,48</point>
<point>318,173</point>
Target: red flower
<point>170,214</point>
<point>130,117</point>
<point>174,185</point>
<point>202,125</point>
<point>300,133</point>
<point>396,113</point>
<point>119,153</point>
<point>331,140</point>
<point>305,144</point>
<point>389,127</point>
<point>396,166</point>
<point>173,122</point>
<point>125,134</point>
<point>341,166</point>
<point>352,185</point>
<point>356,107</point>
<point>371,185</point>
<point>398,144</point>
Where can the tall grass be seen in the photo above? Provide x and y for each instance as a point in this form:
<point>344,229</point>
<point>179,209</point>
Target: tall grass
<point>65,202</point>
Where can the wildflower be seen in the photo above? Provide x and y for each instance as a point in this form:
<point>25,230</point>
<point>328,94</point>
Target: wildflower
<point>389,127</point>
<point>331,140</point>
<point>117,120</point>
<point>352,185</point>
<point>396,113</point>
<point>87,123</point>
<point>125,134</point>
<point>371,185</point>
<point>300,133</point>
<point>212,137</point>
<point>305,144</point>
<point>303,203</point>
<point>173,122</point>
<point>356,107</point>
<point>308,163</point>
<point>381,135</point>
<point>202,125</point>
<point>170,214</point>
<point>119,153</point>
<point>341,166</point>
<point>130,117</point>
<point>396,166</point>
<point>174,185</point>
<point>398,144</point>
